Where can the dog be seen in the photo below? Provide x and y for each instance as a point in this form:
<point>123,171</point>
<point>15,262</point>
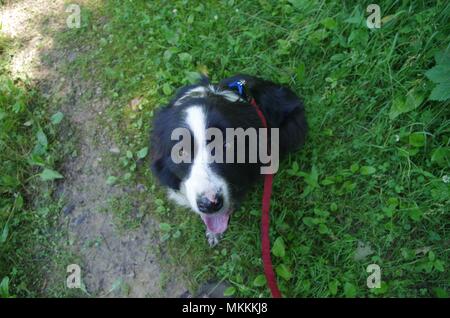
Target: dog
<point>214,189</point>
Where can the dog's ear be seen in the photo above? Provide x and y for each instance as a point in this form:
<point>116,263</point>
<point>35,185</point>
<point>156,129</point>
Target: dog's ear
<point>160,151</point>
<point>281,107</point>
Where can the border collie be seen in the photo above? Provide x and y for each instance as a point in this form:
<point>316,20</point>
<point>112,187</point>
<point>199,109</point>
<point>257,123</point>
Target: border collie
<point>214,188</point>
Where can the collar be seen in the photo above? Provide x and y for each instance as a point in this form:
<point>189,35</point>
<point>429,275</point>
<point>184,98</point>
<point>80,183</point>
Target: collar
<point>241,88</point>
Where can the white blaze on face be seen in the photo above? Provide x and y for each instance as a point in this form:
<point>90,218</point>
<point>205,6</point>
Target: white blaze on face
<point>202,180</point>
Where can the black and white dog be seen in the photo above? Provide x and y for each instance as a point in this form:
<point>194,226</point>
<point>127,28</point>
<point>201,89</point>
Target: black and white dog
<point>213,189</point>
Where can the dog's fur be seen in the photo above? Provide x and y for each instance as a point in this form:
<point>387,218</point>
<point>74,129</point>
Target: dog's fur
<point>197,107</point>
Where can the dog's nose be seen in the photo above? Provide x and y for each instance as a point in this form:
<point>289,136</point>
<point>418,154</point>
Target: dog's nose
<point>210,204</point>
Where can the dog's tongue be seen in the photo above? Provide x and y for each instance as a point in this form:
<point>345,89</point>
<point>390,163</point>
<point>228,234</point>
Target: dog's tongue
<point>216,223</point>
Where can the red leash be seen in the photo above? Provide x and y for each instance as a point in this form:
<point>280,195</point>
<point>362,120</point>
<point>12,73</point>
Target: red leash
<point>265,222</point>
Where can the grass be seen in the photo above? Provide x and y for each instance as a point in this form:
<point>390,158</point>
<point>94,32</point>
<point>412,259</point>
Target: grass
<point>29,210</point>
<point>374,172</point>
<point>371,185</point>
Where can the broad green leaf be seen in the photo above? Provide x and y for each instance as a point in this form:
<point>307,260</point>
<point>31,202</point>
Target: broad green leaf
<point>441,92</point>
<point>57,118</point>
<point>283,272</point>
<point>441,156</point>
<point>417,139</point>
<point>367,170</point>
<point>184,57</point>
<point>19,202</point>
<point>398,107</point>
<point>327,181</point>
<point>165,227</point>
<point>300,4</point>
<point>278,248</point>
<point>393,202</point>
<point>439,73</point>
<point>192,77</point>
<point>329,23</point>
<point>354,167</point>
<point>111,180</point>
<point>323,229</point>
<point>349,290</point>
<point>177,234</point>
<point>309,221</point>
<point>333,287</point>
<point>312,178</point>
<point>355,19</point>
<point>142,153</point>
<point>167,89</point>
<point>440,292</point>
<point>4,287</point>
<point>230,291</point>
<point>414,99</point>
<point>171,36</point>
<point>36,160</point>
<point>384,287</point>
<point>359,36</point>
<point>168,54</point>
<point>42,138</point>
<point>442,57</point>
<point>439,265</point>
<point>388,211</point>
<point>415,214</point>
<point>5,233</point>
<point>259,281</point>
<point>300,72</point>
<point>49,174</point>
<point>321,213</point>
<point>402,105</point>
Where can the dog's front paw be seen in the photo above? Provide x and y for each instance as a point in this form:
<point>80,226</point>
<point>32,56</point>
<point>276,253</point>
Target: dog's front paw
<point>213,238</point>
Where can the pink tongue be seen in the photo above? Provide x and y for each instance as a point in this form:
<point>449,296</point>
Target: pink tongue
<point>216,223</point>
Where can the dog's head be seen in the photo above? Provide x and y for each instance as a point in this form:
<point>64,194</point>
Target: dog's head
<point>195,157</point>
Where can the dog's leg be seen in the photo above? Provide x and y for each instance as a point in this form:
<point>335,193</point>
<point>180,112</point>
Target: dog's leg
<point>213,238</point>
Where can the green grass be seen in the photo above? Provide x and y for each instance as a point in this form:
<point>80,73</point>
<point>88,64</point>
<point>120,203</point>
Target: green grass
<point>29,248</point>
<point>375,166</point>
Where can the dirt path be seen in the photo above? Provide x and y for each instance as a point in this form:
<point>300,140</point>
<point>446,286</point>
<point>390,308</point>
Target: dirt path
<point>114,263</point>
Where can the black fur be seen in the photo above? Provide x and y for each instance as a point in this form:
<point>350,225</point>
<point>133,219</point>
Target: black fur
<point>281,108</point>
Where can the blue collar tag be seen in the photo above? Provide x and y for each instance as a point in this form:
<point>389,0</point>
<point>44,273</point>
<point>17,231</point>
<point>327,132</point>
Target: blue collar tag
<point>239,85</point>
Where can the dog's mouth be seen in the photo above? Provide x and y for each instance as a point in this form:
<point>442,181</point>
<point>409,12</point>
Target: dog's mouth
<point>216,223</point>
